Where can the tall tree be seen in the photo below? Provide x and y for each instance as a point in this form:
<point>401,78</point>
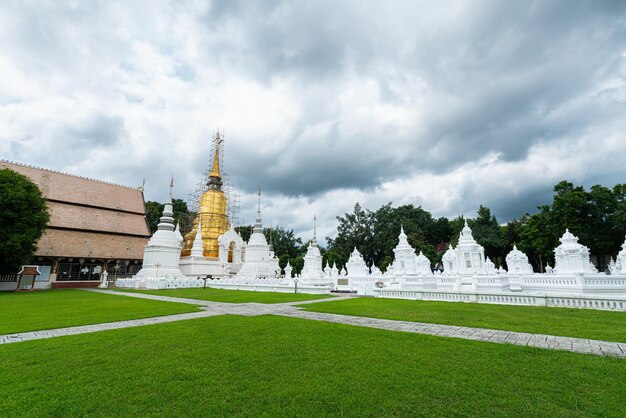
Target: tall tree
<point>355,230</point>
<point>23,218</point>
<point>538,239</point>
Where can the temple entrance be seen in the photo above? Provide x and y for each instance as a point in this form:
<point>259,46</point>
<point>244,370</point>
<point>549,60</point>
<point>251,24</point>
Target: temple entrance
<point>231,251</point>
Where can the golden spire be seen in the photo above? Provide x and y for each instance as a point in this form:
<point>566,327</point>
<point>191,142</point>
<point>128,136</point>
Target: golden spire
<point>215,170</point>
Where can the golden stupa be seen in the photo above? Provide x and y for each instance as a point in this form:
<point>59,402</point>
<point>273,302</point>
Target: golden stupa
<point>212,212</point>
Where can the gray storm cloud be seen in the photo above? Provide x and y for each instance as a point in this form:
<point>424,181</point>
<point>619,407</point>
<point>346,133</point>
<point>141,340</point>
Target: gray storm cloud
<point>447,105</point>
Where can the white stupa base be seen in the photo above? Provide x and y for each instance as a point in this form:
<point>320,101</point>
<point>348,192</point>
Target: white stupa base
<point>202,267</point>
<point>163,272</point>
<point>259,269</point>
<point>316,281</point>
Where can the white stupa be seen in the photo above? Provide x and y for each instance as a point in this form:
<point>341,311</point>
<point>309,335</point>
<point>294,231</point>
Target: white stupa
<point>162,254</point>
<point>197,265</point>
<point>517,262</point>
<point>260,260</point>
<point>422,265</point>
<point>404,261</point>
<point>312,272</point>
<point>467,259</point>
<point>449,261</point>
<point>356,265</point>
<point>572,257</point>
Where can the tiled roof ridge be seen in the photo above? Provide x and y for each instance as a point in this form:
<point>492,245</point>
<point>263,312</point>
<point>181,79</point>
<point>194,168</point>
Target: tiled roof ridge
<point>2,160</point>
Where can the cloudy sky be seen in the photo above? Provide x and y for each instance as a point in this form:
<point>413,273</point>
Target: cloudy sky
<point>443,104</point>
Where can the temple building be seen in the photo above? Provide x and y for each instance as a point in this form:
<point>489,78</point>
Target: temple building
<point>212,214</point>
<point>212,247</point>
<point>572,257</point>
<point>356,265</point>
<point>94,227</point>
<point>468,258</point>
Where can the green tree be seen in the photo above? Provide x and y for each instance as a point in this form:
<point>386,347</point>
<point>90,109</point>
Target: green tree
<point>512,231</point>
<point>355,230</point>
<point>284,241</point>
<point>245,231</point>
<point>538,239</point>
<point>154,211</point>
<point>282,262</point>
<point>297,263</point>
<point>23,218</point>
<point>375,234</point>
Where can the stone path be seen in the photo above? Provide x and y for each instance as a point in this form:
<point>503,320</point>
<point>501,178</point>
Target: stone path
<point>85,329</point>
<point>290,309</point>
<point>577,345</point>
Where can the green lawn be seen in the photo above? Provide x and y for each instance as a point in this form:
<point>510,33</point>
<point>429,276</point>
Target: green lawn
<point>47,309</point>
<point>582,323</point>
<point>276,366</point>
<point>230,296</point>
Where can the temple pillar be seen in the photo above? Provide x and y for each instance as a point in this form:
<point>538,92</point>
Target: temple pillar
<point>54,269</point>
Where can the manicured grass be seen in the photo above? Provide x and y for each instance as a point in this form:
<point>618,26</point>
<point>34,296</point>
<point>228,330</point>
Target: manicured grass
<point>276,366</point>
<point>582,323</point>
<point>47,309</point>
<point>230,296</point>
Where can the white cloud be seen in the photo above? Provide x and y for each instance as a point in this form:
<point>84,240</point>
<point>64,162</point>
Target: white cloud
<point>447,105</point>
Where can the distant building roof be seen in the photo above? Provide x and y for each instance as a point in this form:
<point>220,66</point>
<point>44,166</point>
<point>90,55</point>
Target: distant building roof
<point>88,218</point>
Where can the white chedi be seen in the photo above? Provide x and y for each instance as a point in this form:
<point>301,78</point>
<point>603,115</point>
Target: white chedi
<point>572,257</point>
<point>422,264</point>
<point>197,250</point>
<point>470,254</point>
<point>312,272</point>
<point>312,268</point>
<point>404,256</point>
<point>259,256</point>
<point>517,262</point>
<point>467,259</point>
<point>162,253</point>
<point>449,261</point>
<point>288,270</point>
<point>356,265</point>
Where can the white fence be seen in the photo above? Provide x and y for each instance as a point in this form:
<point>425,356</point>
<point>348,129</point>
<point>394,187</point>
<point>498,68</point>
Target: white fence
<point>607,303</point>
<point>254,285</point>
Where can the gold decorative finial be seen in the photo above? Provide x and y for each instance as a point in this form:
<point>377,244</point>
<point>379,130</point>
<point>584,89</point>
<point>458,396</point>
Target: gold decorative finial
<point>215,170</point>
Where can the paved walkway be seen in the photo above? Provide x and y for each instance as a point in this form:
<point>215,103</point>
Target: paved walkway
<point>290,309</point>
